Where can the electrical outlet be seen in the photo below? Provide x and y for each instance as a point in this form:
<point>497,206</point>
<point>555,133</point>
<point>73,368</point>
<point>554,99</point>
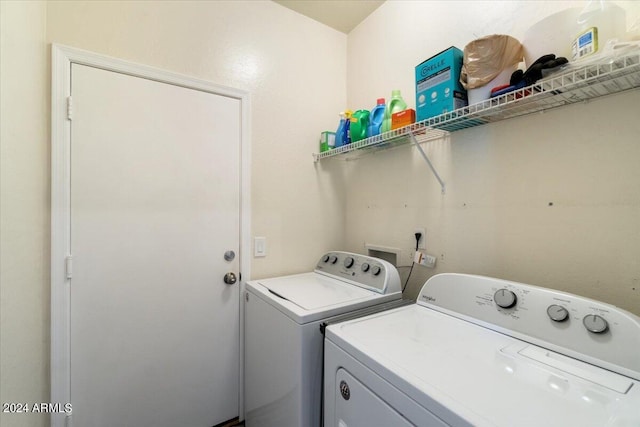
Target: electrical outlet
<point>423,237</point>
<point>426,260</point>
<point>429,261</point>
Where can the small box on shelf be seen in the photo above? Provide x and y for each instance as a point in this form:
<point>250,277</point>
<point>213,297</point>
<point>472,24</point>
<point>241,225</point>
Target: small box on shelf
<point>403,118</point>
<point>327,141</point>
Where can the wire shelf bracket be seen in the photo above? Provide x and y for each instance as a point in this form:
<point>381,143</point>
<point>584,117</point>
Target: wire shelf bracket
<point>415,142</point>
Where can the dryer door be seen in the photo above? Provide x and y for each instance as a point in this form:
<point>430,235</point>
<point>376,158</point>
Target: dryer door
<point>357,406</point>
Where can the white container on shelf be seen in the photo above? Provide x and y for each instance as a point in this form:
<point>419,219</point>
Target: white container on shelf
<point>483,93</point>
<point>556,33</point>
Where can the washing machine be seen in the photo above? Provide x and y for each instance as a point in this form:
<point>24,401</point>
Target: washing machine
<point>484,352</point>
<point>283,338</point>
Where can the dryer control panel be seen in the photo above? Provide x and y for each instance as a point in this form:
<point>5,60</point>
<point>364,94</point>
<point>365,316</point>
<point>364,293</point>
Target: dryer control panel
<point>579,327</point>
<point>360,270</point>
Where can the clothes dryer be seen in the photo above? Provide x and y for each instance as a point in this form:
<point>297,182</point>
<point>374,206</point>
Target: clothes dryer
<point>484,352</point>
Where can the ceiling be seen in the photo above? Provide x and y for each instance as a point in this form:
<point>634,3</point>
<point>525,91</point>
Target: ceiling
<point>343,15</point>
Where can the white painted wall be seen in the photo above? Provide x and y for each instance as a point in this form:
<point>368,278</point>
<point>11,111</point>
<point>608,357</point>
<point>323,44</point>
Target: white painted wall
<point>295,70</point>
<point>495,217</point>
<point>24,209</point>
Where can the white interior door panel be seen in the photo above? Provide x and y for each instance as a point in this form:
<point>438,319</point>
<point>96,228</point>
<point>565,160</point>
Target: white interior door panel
<point>155,203</point>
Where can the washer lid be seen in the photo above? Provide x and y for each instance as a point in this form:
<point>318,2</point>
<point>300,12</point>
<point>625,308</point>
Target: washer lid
<point>314,291</point>
<point>310,297</point>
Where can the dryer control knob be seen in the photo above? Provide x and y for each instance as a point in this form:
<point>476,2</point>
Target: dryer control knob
<point>595,324</point>
<point>333,259</point>
<point>325,258</point>
<point>505,298</point>
<point>344,390</point>
<point>365,267</point>
<point>376,270</point>
<point>557,313</point>
<point>348,262</point>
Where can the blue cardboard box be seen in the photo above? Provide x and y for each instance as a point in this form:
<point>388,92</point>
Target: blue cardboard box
<point>438,88</point>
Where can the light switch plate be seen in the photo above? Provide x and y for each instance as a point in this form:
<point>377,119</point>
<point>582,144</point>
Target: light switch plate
<point>259,247</point>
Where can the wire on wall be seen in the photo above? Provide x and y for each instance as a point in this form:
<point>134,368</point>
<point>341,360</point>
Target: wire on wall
<point>418,237</point>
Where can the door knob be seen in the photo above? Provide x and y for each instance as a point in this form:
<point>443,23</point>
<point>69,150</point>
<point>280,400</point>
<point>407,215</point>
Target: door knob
<point>230,278</point>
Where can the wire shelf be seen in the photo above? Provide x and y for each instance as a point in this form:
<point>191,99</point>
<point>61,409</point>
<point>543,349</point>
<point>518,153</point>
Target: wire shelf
<point>612,74</point>
<point>393,138</point>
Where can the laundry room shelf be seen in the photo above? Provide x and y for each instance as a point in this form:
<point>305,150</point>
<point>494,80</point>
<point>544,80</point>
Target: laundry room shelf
<point>588,80</point>
<point>416,132</point>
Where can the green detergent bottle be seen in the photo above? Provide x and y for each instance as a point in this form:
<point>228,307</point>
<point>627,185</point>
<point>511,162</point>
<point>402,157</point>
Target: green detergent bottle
<point>359,124</point>
<point>396,104</point>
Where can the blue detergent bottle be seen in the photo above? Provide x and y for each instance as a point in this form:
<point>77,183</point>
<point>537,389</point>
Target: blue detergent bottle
<point>347,126</point>
<point>341,132</point>
<point>376,117</point>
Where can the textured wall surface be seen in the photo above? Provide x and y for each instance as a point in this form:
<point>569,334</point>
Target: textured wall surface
<point>549,199</point>
<point>24,210</point>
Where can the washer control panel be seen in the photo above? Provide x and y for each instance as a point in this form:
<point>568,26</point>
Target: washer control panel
<point>579,327</point>
<point>361,270</point>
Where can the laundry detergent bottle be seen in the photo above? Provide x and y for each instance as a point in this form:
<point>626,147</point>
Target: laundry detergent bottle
<point>341,132</point>
<point>359,125</point>
<point>396,104</point>
<point>347,127</point>
<point>375,118</point>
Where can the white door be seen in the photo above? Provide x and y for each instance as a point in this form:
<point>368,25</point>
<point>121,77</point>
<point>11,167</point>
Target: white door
<point>154,329</point>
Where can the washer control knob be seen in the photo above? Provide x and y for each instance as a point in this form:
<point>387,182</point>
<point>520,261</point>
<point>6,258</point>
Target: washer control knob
<point>348,262</point>
<point>376,270</point>
<point>325,258</point>
<point>333,259</point>
<point>557,313</point>
<point>505,298</point>
<point>594,323</point>
<point>365,267</point>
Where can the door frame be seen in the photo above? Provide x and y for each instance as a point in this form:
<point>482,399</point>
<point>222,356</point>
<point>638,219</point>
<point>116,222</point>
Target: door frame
<point>62,57</point>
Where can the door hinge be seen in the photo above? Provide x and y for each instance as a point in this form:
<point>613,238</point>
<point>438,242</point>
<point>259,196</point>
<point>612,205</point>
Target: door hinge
<point>69,108</point>
<point>68,266</point>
